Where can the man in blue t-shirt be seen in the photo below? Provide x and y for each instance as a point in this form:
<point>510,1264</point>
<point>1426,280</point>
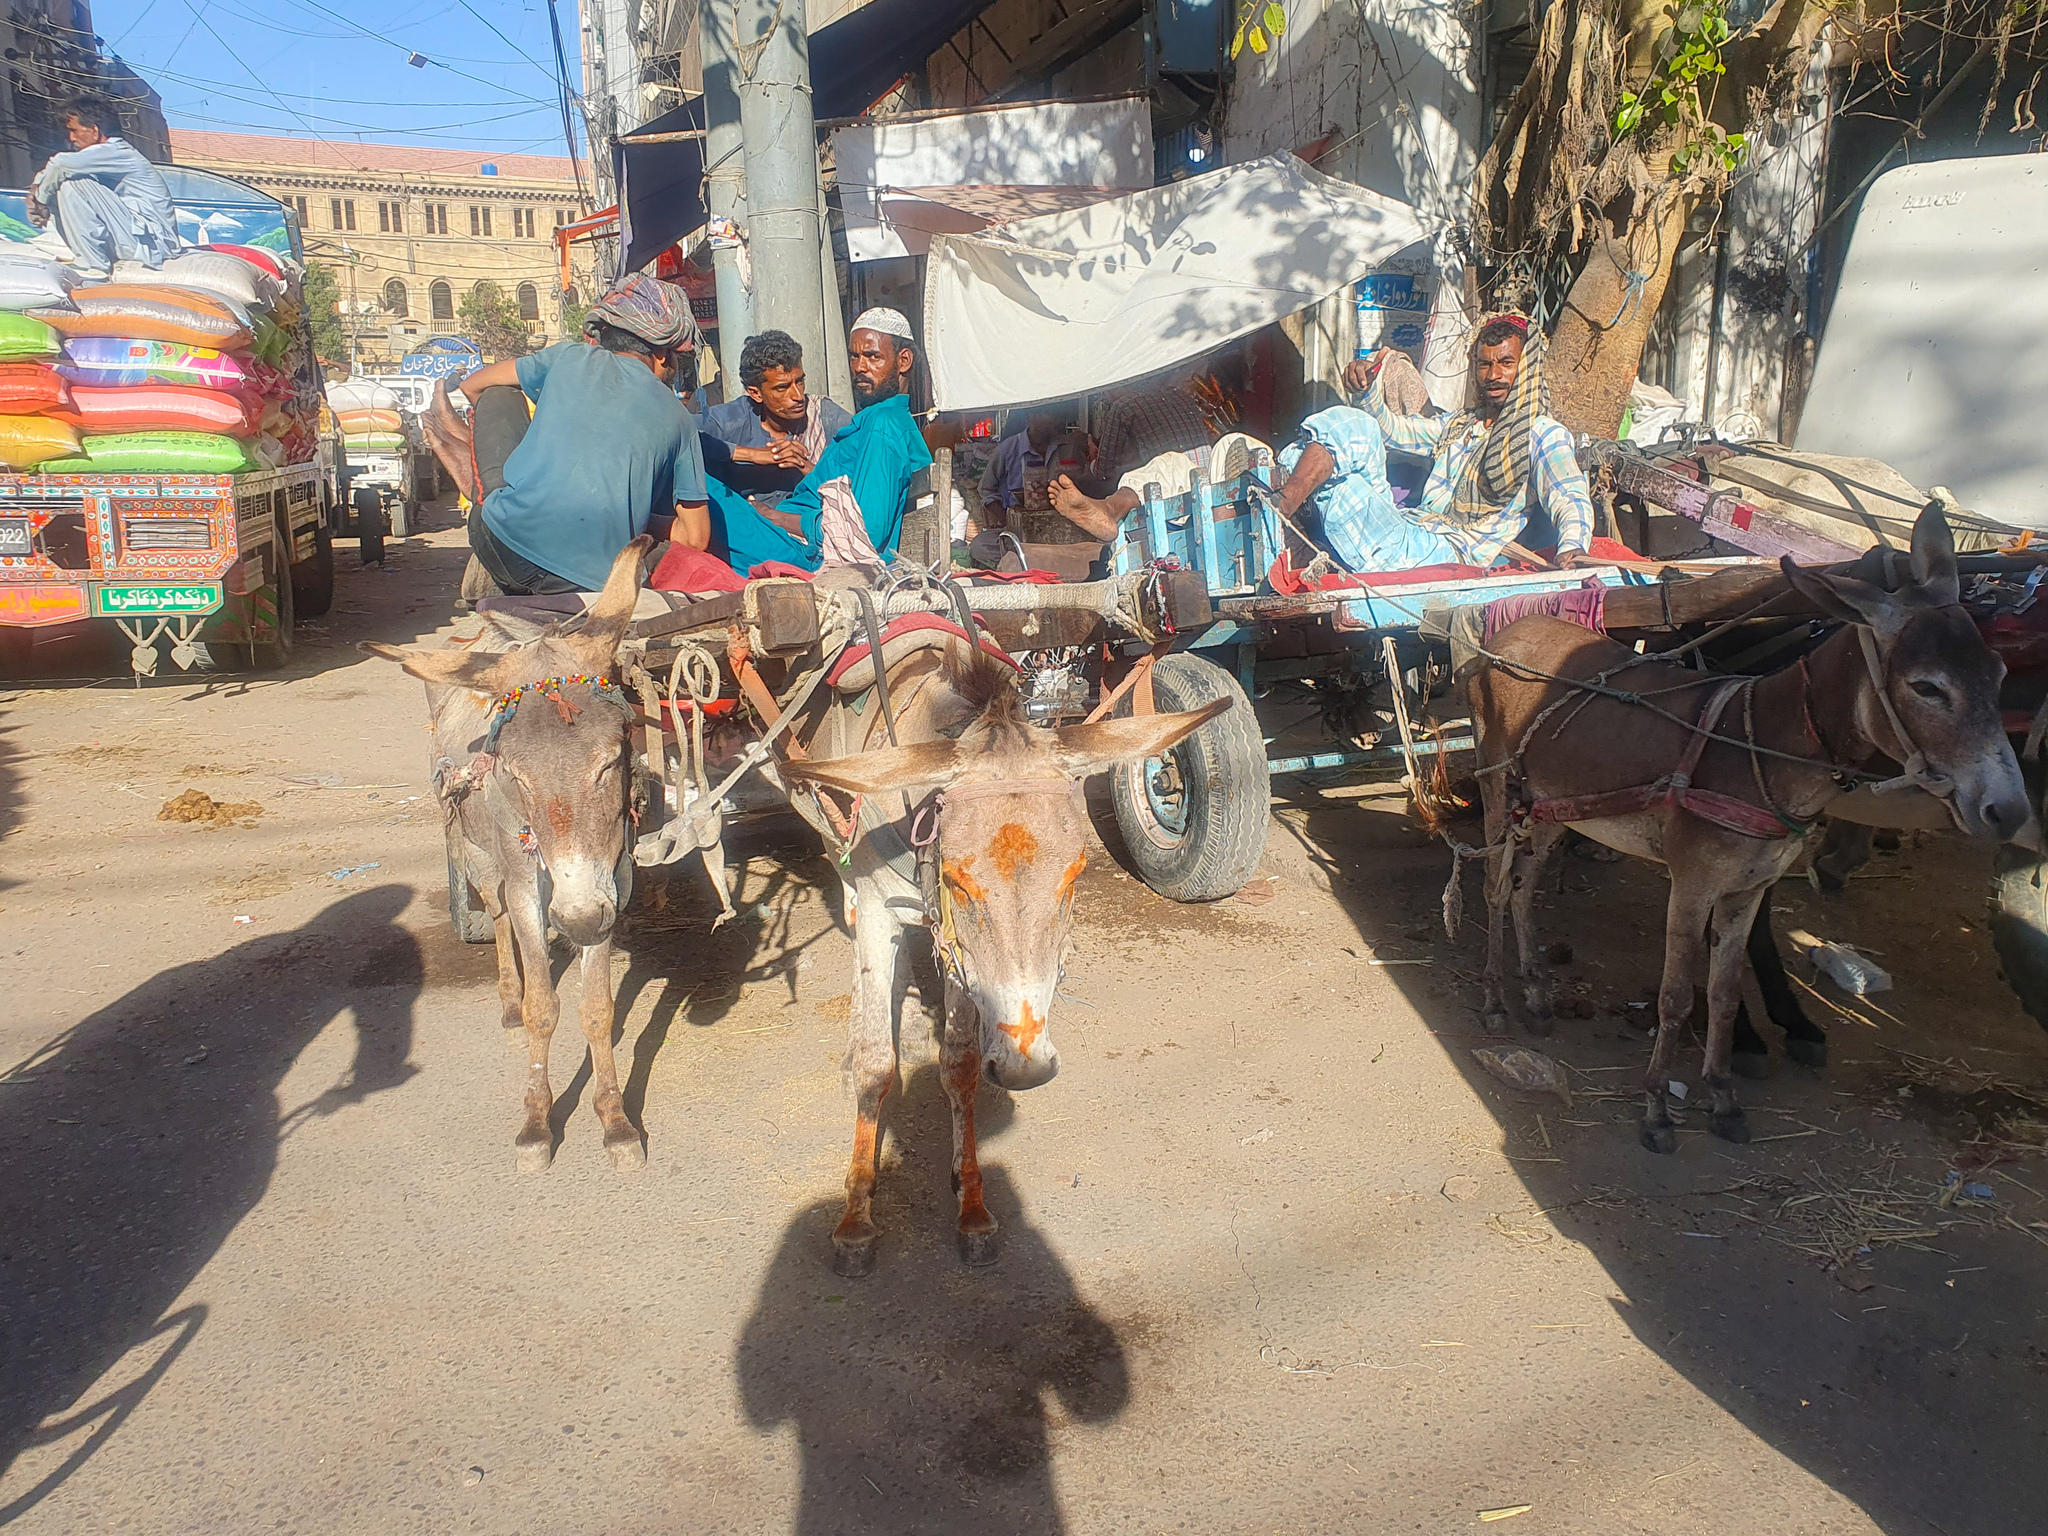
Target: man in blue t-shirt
<point>610,452</point>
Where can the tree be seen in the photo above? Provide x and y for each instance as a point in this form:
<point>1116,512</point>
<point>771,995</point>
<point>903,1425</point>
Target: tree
<point>1633,113</point>
<point>323,312</point>
<point>490,317</point>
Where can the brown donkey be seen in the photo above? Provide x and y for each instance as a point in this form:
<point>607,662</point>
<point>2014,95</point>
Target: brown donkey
<point>1722,779</point>
<point>990,864</point>
<point>534,772</point>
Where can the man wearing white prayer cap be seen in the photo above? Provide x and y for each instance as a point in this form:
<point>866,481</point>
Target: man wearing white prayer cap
<point>849,508</point>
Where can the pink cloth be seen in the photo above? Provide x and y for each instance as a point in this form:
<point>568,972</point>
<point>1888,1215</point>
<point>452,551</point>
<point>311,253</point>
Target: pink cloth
<point>1584,605</point>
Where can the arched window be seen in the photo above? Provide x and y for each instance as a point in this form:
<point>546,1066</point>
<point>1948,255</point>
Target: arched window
<point>529,302</point>
<point>394,298</point>
<point>442,298</point>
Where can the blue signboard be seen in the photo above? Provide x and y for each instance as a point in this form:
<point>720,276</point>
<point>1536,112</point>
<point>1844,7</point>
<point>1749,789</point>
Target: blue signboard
<point>445,357</point>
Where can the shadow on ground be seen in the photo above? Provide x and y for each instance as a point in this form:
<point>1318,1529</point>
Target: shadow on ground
<point>1925,1405</point>
<point>918,1395</point>
<point>135,1142</point>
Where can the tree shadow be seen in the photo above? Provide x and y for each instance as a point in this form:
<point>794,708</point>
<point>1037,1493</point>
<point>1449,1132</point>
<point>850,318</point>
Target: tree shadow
<point>138,1140</point>
<point>918,1395</point>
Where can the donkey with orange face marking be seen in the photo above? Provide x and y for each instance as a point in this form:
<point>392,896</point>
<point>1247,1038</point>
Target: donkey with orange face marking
<point>1003,844</point>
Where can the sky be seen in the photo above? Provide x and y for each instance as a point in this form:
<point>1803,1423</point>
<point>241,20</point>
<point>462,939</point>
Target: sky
<point>338,69</point>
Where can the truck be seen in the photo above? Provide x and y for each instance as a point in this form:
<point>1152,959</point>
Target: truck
<point>218,567</point>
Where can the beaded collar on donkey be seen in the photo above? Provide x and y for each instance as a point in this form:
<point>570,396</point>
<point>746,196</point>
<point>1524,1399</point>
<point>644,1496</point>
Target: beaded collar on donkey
<point>549,688</point>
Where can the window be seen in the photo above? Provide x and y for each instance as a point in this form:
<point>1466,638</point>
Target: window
<point>522,223</point>
<point>391,218</point>
<point>529,302</point>
<point>479,220</point>
<point>299,207</point>
<point>342,210</point>
<point>437,218</point>
<point>394,298</point>
<point>561,217</point>
<point>442,300</point>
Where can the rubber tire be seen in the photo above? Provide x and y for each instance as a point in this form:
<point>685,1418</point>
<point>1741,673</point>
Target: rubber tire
<point>313,580</point>
<point>369,518</point>
<point>466,913</point>
<point>1229,793</point>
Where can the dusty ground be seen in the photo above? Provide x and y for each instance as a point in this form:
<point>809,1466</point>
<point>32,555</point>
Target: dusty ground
<point>1279,1257</point>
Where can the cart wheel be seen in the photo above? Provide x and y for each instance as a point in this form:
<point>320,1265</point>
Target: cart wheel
<point>1195,819</point>
<point>369,508</point>
<point>466,910</point>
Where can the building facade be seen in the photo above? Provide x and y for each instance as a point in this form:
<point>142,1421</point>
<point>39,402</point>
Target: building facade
<point>409,232</point>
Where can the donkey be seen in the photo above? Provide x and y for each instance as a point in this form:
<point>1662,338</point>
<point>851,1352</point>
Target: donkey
<point>999,850</point>
<point>533,768</point>
<point>1668,774</point>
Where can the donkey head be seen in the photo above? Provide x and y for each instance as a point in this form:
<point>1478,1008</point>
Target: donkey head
<point>1938,676</point>
<point>1011,841</point>
<point>561,765</point>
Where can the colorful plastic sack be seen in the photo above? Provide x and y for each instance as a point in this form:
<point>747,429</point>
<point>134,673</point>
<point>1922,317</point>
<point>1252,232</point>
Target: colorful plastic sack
<point>26,441</point>
<point>115,361</point>
<point>256,256</point>
<point>372,421</point>
<point>29,388</point>
<point>156,408</point>
<point>375,442</point>
<point>163,453</point>
<point>21,336</point>
<point>29,281</point>
<point>209,271</point>
<point>150,313</point>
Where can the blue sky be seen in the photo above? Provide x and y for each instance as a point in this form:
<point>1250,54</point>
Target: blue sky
<point>338,70</point>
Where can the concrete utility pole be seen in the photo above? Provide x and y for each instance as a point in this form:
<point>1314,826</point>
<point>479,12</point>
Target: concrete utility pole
<point>785,240</point>
<point>725,182</point>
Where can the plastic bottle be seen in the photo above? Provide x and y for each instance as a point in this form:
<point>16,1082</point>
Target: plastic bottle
<point>1856,974</point>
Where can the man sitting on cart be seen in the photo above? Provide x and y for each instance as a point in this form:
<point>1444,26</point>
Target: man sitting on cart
<point>849,509</point>
<point>763,444</point>
<point>609,452</point>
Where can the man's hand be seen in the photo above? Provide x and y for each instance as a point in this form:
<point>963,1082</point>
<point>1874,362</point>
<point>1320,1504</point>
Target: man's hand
<point>790,453</point>
<point>38,215</point>
<point>1358,373</point>
<point>1572,559</point>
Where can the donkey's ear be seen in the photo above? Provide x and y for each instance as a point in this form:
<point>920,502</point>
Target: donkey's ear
<point>1085,749</point>
<point>1845,598</point>
<point>1934,556</point>
<point>613,610</point>
<point>445,668</point>
<point>926,765</point>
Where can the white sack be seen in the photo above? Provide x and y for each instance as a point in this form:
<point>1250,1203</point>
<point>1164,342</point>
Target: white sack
<point>362,395</point>
<point>1052,307</point>
<point>227,277</point>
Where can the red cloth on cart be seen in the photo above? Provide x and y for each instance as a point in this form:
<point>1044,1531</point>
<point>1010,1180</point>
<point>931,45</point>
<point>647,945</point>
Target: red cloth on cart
<point>684,569</point>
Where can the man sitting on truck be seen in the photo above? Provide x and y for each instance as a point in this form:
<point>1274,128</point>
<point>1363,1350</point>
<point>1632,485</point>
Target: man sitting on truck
<point>763,444</point>
<point>110,203</point>
<point>609,452</point>
<point>849,509</point>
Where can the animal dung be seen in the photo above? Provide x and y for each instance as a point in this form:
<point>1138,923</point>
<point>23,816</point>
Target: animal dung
<point>1529,1070</point>
<point>197,805</point>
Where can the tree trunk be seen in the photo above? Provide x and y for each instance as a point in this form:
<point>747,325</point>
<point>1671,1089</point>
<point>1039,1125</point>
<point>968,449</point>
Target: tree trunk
<point>1597,346</point>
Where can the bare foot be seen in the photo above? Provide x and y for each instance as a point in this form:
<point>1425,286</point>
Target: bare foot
<point>1083,511</point>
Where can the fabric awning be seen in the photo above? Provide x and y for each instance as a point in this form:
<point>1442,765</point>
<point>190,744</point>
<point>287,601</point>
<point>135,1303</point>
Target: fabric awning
<point>854,63</point>
<point>1057,306</point>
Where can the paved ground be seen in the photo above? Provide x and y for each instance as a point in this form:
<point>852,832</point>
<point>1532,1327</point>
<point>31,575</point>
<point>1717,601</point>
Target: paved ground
<point>1279,1256</point>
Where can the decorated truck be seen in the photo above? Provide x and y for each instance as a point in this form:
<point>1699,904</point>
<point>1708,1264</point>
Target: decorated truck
<point>210,544</point>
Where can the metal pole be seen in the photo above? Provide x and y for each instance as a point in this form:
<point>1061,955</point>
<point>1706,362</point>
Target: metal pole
<point>838,366</point>
<point>773,77</point>
<point>725,184</point>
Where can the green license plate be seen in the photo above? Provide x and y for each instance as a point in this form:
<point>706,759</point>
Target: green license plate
<point>122,602</point>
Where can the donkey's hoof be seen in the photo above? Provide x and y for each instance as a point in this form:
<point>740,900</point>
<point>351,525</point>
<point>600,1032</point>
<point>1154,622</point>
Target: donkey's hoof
<point>535,1152</point>
<point>1540,1023</point>
<point>1755,1065</point>
<point>627,1152</point>
<point>1660,1138</point>
<point>1494,1021</point>
<point>1808,1053</point>
<point>1733,1126</point>
<point>853,1257</point>
<point>979,1248</point>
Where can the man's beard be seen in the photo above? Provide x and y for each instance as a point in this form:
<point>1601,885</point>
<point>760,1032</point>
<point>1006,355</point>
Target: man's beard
<point>865,393</point>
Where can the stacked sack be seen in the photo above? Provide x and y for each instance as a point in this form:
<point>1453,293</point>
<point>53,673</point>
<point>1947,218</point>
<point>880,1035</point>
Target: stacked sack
<point>194,368</point>
<point>371,421</point>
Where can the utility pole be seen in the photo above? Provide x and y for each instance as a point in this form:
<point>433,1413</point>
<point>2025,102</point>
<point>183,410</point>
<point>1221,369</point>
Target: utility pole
<point>725,182</point>
<point>785,238</point>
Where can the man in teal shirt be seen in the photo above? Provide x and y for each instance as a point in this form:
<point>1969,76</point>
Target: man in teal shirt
<point>849,508</point>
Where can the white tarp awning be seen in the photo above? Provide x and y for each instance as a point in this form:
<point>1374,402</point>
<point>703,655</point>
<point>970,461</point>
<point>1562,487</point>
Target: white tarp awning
<point>1057,306</point>
<point>892,174</point>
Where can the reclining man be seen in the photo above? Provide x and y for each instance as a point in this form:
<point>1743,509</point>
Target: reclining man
<point>1503,468</point>
<point>848,510</point>
<point>608,454</point>
<point>763,444</point>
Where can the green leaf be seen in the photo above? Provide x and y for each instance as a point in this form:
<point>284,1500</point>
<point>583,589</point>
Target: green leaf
<point>1275,19</point>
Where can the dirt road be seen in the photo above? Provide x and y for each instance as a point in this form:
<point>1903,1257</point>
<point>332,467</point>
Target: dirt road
<point>1278,1255</point>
